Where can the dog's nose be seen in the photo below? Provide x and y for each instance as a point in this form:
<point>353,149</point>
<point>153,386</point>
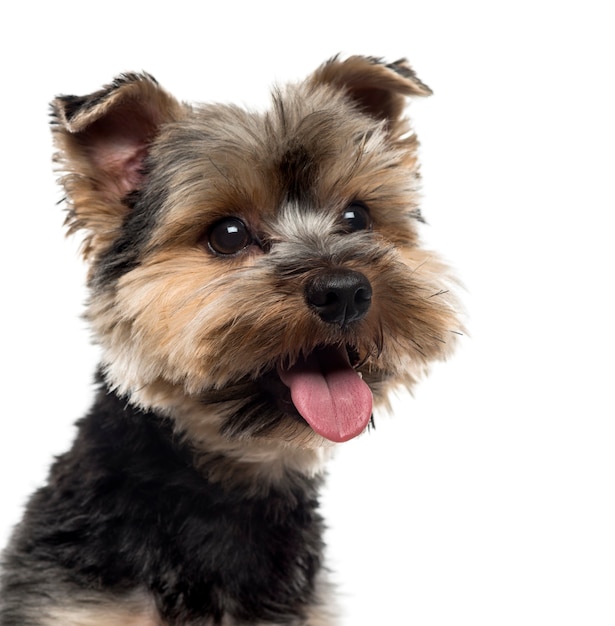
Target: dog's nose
<point>339,296</point>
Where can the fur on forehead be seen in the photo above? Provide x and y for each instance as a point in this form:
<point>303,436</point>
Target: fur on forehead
<point>108,141</point>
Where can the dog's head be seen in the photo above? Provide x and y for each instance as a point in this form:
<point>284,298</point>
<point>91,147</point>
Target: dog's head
<point>265,265</point>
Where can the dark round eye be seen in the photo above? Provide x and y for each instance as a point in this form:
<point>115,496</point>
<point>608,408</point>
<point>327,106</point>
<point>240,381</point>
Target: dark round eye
<point>229,236</point>
<point>356,217</point>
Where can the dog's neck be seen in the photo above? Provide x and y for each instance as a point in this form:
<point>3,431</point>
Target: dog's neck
<point>253,464</point>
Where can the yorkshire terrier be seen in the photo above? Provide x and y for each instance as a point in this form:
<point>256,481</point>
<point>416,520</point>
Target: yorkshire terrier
<point>256,285</point>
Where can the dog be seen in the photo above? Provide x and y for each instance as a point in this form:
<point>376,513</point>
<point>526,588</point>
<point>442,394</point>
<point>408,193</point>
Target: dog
<point>257,285</point>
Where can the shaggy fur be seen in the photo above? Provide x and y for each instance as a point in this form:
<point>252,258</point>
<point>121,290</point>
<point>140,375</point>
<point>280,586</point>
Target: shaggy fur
<point>231,255</point>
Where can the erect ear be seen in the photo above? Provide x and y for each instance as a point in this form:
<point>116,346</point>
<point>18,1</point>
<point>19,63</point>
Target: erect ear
<point>103,140</point>
<point>378,89</point>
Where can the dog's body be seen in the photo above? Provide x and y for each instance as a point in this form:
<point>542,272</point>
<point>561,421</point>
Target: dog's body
<point>257,284</point>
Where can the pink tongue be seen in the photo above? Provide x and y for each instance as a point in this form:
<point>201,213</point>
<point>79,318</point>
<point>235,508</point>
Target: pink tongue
<point>329,394</point>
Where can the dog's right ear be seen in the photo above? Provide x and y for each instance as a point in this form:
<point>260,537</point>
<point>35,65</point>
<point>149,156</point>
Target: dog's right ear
<point>103,140</point>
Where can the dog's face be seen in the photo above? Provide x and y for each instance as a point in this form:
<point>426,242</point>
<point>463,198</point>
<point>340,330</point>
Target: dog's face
<point>264,265</point>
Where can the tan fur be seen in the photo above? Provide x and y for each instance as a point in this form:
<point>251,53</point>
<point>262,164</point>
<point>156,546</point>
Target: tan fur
<point>136,609</point>
<point>98,617</point>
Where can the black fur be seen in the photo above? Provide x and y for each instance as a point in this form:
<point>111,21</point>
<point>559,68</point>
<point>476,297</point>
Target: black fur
<point>124,253</point>
<point>298,171</point>
<point>127,508</point>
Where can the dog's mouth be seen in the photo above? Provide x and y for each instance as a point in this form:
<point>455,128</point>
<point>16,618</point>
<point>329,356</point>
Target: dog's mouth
<point>329,393</point>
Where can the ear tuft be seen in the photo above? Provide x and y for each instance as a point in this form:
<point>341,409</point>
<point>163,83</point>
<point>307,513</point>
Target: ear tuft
<point>377,88</point>
<point>103,140</point>
<point>74,112</point>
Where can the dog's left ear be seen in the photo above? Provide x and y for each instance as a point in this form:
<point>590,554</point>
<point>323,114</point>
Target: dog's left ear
<point>377,88</point>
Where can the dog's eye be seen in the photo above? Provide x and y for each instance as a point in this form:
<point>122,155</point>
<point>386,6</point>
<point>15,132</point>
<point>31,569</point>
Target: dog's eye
<point>229,236</point>
<point>356,217</point>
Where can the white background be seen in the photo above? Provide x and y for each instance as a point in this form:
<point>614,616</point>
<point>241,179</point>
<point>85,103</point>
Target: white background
<point>488,499</point>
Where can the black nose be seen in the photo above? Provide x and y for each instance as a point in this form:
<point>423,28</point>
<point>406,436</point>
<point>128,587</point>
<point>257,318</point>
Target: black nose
<point>339,296</point>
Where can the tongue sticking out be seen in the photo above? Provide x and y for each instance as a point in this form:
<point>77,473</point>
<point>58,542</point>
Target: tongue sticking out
<point>329,394</point>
